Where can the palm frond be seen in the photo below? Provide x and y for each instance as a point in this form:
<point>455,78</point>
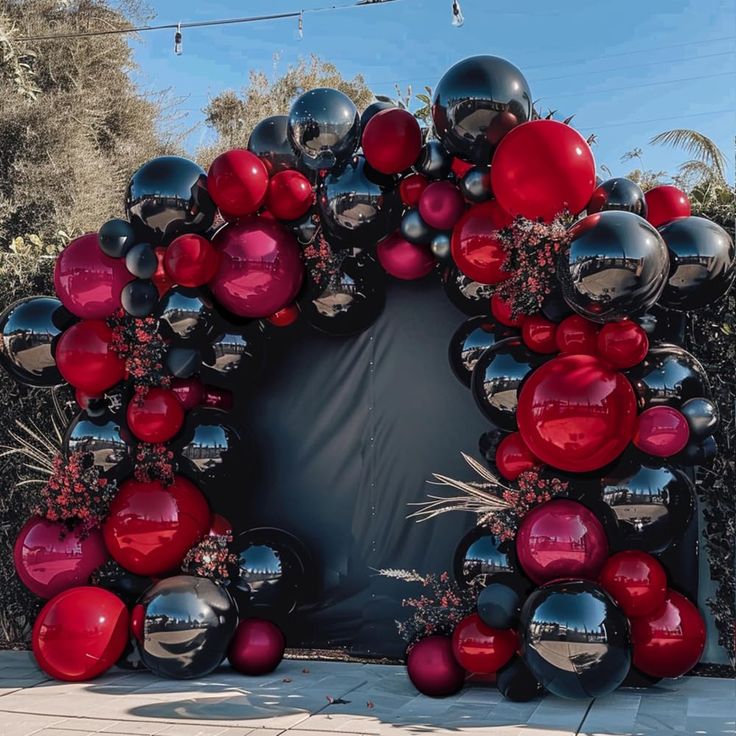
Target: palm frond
<point>697,145</point>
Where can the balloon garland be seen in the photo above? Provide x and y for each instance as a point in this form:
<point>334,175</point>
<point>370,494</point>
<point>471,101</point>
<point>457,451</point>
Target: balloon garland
<point>596,422</point>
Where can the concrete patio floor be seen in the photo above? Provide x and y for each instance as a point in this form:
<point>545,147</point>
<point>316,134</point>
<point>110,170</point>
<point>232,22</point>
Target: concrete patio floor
<point>306,698</point>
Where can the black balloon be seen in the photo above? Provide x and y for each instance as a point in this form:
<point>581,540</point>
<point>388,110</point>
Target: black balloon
<point>476,184</point>
<point>488,443</point>
<point>105,438</point>
<point>269,141</point>
<point>186,314</point>
<point>479,556</point>
<point>470,340</point>
<point>499,605</point>
<point>183,362</point>
<point>698,452</point>
<point>187,625</point>
<point>434,161</point>
<point>615,267</point>
<point>28,329</point>
<point>139,298</point>
<point>141,261</point>
<point>618,194</point>
<point>305,228</point>
<point>554,307</point>
<point>470,297</point>
<point>637,679</point>
<point>476,102</point>
<point>702,417</point>
<point>166,197</point>
<point>324,128</point>
<point>414,229</point>
<point>575,639</point>
<point>663,325</point>
<point>116,238</point>
<point>126,585</point>
<point>703,263</point>
<point>234,356</point>
<point>373,109</point>
<point>440,245</point>
<point>516,682</point>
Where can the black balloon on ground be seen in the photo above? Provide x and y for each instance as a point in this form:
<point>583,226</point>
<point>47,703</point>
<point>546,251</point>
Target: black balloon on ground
<point>186,314</point>
<point>105,438</point>
<point>139,298</point>
<point>478,556</point>
<point>414,229</point>
<point>618,194</point>
<point>470,340</point>
<point>270,143</point>
<point>470,297</point>
<point>434,161</point>
<point>116,238</point>
<point>516,682</point>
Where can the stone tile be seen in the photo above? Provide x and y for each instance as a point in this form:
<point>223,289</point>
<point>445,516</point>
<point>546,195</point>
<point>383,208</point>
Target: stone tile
<point>143,728</point>
<point>84,724</point>
<point>188,729</point>
<point>21,724</point>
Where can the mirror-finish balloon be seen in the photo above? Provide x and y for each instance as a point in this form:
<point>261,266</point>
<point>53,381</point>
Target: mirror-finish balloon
<point>414,229</point>
<point>702,417</point>
<point>470,340</point>
<point>440,245</point>
<point>373,109</point>
<point>470,297</point>
<point>479,556</point>
<point>476,184</point>
<point>104,437</point>
<point>618,194</point>
<point>434,161</point>
<point>269,141</point>
<point>186,314</point>
<point>234,356</point>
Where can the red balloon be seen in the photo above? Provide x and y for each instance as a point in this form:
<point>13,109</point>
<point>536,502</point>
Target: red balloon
<point>189,391</point>
<point>575,334</point>
<point>538,334</point>
<point>217,398</point>
<point>237,182</point>
<point>433,669</point>
<point>88,282</point>
<point>257,647</point>
<point>476,250</point>
<point>513,457</point>
<point>561,539</point>
<point>623,344</point>
<point>541,169</point>
<point>636,581</point>
<point>404,260</point>
<point>481,649</point>
<point>411,188</point>
<point>260,270</point>
<point>84,399</point>
<point>392,140</point>
<point>219,526</point>
<point>156,416</point>
<point>85,357</point>
<point>441,205</point>
<point>49,557</point>
<point>460,167</point>
<point>289,195</point>
<point>160,279</point>
<point>80,633</point>
<point>501,310</point>
<point>151,527</point>
<point>285,317</point>
<point>661,431</point>
<point>191,260</point>
<point>576,413</point>
<point>670,641</point>
<point>665,203</point>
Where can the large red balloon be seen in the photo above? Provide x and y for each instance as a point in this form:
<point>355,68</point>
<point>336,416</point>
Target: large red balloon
<point>561,539</point>
<point>404,260</point>
<point>260,269</point>
<point>541,169</point>
<point>623,344</point>
<point>392,140</point>
<point>80,633</point>
<point>576,413</point>
<point>441,205</point>
<point>156,416</point>
<point>476,250</point>
<point>151,527</point>
<point>88,282</point>
<point>513,457</point>
<point>86,359</point>
<point>257,647</point>
<point>237,182</point>
<point>636,581</point>
<point>190,260</point>
<point>289,195</point>
<point>670,641</point>
<point>665,203</point>
<point>661,431</point>
<point>49,557</point>
<point>575,334</point>
<point>481,649</point>
<point>433,669</point>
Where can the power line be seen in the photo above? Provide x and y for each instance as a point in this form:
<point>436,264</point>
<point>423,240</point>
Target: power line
<point>656,120</point>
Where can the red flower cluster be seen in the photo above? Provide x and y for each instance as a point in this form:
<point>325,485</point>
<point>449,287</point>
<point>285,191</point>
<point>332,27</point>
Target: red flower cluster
<point>211,558</point>
<point>154,462</point>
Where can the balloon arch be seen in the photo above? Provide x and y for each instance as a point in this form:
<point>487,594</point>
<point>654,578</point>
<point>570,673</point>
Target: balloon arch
<point>597,418</point>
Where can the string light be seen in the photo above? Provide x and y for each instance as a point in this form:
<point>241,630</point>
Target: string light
<point>177,40</point>
<point>457,14</point>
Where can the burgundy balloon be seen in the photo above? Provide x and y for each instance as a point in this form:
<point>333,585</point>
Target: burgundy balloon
<point>260,269</point>
<point>217,398</point>
<point>513,457</point>
<point>433,669</point>
<point>441,205</point>
<point>189,391</point>
<point>257,647</point>
<point>661,431</point>
<point>155,417</point>
<point>404,260</point>
<point>49,557</point>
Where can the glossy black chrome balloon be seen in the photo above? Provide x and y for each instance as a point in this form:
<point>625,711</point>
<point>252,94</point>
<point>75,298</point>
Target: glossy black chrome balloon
<point>476,102</point>
<point>698,452</point>
<point>470,297</point>
<point>234,356</point>
<point>373,109</point>
<point>414,229</point>
<point>434,161</point>
<point>105,438</point>
<point>183,362</point>
<point>141,261</point>
<point>615,267</point>
<point>618,194</point>
<point>27,330</point>
<point>186,314</point>
<point>476,184</point>
<point>127,586</point>
<point>488,443</point>
<point>702,263</point>
<point>575,640</point>
<point>166,197</point>
<point>440,245</point>
<point>478,556</point>
<point>305,228</point>
<point>324,128</point>
<point>139,297</point>
<point>702,417</point>
<point>116,238</point>
<point>188,622</point>
<point>269,141</point>
<point>516,682</point>
<point>470,340</point>
<point>499,605</point>
<point>554,307</point>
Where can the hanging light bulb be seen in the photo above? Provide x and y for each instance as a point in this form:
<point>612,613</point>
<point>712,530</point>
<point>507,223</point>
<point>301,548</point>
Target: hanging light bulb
<point>177,40</point>
<point>457,14</point>
<point>300,26</point>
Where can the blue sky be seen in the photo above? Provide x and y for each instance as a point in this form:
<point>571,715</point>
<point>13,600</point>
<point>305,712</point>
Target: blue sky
<point>627,69</point>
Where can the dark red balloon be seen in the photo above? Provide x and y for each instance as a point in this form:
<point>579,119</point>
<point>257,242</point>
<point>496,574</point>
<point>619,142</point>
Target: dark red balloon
<point>285,317</point>
<point>237,182</point>
<point>155,416</point>
<point>49,557</point>
<point>411,188</point>
<point>433,669</point>
<point>151,527</point>
<point>460,167</point>
<point>541,169</point>
<point>289,195</point>
<point>189,391</point>
<point>576,413</point>
<point>575,334</point>
<point>561,539</point>
<point>476,250</point>
<point>219,526</point>
<point>441,205</point>
<point>623,344</point>
<point>636,581</point>
<point>392,140</point>
<point>670,641</point>
<point>513,457</point>
<point>257,647</point>
<point>190,260</point>
<point>80,633</point>
<point>85,357</point>
<point>479,648</point>
<point>501,310</point>
<point>539,334</point>
<point>665,203</point>
<point>661,431</point>
<point>404,260</point>
<point>217,398</point>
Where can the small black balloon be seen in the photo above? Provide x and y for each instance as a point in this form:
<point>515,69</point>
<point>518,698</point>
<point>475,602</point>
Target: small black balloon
<point>554,307</point>
<point>414,229</point>
<point>434,161</point>
<point>516,682</point>
<point>126,585</point>
<point>470,340</point>
<point>478,556</point>
<point>488,443</point>
<point>116,238</point>
<point>139,298</point>
<point>234,358</point>
<point>470,297</point>
<point>499,605</point>
<point>440,245</point>
<point>183,362</point>
<point>618,194</point>
<point>186,314</point>
<point>702,417</point>
<point>141,261</point>
<point>373,109</point>
<point>476,184</point>
<point>105,438</point>
<point>270,143</point>
<point>700,452</point>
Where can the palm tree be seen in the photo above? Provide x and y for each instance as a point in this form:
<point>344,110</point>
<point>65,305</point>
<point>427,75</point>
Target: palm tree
<point>707,162</point>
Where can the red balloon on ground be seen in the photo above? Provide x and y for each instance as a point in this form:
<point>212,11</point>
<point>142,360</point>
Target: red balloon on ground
<point>441,205</point>
<point>85,357</point>
<point>513,457</point>
<point>561,539</point>
<point>623,344</point>
<point>285,317</point>
<point>156,416</point>
<point>636,581</point>
<point>190,260</point>
<point>476,250</point>
<point>289,195</point>
<point>576,413</point>
<point>260,269</point>
<point>479,648</point>
<point>670,641</point>
<point>404,260</point>
<point>80,633</point>
<point>665,203</point>
<point>411,188</point>
<point>538,334</point>
<point>501,310</point>
<point>151,527</point>
<point>189,391</point>
<point>392,140</point>
<point>575,334</point>
<point>49,557</point>
<point>219,525</point>
<point>88,282</point>
<point>257,647</point>
<point>661,431</point>
<point>433,669</point>
<point>541,169</point>
<point>237,182</point>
